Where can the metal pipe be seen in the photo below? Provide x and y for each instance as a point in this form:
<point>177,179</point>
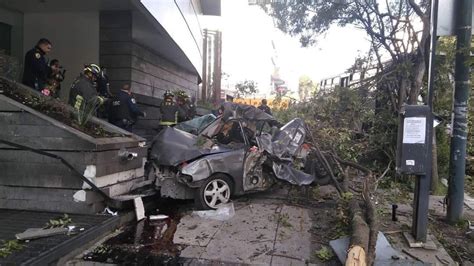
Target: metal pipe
<point>423,182</point>
<point>457,162</point>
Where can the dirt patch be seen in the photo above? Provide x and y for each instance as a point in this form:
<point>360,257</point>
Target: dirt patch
<point>52,108</point>
<point>144,243</point>
<point>453,238</point>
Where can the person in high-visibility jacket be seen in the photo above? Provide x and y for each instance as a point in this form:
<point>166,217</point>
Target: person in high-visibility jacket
<point>83,89</point>
<point>170,112</point>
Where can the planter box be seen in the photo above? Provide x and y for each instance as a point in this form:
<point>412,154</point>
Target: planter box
<point>36,182</point>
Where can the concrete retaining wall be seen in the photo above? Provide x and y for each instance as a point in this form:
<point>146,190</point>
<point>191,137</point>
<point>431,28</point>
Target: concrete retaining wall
<point>36,182</point>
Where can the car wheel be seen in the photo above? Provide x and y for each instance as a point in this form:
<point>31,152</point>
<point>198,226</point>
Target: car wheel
<point>215,191</point>
<point>314,168</point>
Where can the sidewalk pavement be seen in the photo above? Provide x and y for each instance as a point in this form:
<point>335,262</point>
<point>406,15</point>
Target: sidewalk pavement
<point>262,231</point>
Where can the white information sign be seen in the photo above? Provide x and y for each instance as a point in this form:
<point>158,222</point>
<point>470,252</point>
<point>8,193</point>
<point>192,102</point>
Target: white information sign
<point>414,130</point>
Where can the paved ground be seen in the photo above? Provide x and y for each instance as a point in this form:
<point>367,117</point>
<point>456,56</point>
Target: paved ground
<point>270,233</point>
<point>285,226</point>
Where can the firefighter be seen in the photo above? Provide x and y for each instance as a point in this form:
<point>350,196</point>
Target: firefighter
<point>182,100</point>
<point>83,89</point>
<point>264,107</point>
<point>103,89</point>
<point>170,112</point>
<point>103,85</point>
<point>192,107</point>
<point>123,109</point>
<point>36,67</point>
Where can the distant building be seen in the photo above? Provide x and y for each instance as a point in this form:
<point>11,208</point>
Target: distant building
<point>153,45</point>
<point>211,87</point>
<point>346,79</point>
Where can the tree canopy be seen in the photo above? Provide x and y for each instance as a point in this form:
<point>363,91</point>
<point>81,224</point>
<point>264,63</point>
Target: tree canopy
<point>246,88</point>
<point>398,30</point>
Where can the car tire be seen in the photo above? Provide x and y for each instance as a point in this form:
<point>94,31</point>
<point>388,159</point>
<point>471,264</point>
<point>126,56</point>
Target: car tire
<point>314,168</point>
<point>216,190</point>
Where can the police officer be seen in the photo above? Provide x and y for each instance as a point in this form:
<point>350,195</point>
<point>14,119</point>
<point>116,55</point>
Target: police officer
<point>123,109</point>
<point>170,112</point>
<point>83,89</point>
<point>264,107</point>
<point>36,67</point>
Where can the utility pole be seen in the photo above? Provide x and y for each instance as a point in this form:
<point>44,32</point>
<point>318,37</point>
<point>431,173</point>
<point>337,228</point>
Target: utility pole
<point>457,162</point>
<point>217,69</point>
<point>204,68</point>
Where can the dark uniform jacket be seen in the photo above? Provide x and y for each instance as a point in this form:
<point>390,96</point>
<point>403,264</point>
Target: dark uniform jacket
<point>103,86</point>
<point>82,89</point>
<point>184,112</point>
<point>36,69</point>
<point>192,110</point>
<point>123,109</point>
<point>266,109</point>
<point>170,113</point>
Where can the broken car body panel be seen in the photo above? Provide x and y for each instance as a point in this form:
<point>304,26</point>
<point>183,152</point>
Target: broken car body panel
<point>172,147</point>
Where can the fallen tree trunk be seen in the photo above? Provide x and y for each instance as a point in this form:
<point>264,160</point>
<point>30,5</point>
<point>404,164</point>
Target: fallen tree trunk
<point>359,244</point>
<point>364,227</point>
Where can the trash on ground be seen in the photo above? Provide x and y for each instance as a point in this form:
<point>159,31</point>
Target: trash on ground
<point>34,233</point>
<point>224,212</point>
<point>109,211</point>
<point>139,208</point>
<point>158,217</point>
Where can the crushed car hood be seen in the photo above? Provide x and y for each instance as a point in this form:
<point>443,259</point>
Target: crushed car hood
<point>172,147</point>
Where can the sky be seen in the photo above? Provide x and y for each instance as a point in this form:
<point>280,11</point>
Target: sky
<point>247,34</point>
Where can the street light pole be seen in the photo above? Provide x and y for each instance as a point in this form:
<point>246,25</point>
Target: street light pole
<point>457,165</point>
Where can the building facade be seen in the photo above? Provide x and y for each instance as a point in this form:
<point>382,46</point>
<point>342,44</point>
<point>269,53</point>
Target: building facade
<point>152,45</point>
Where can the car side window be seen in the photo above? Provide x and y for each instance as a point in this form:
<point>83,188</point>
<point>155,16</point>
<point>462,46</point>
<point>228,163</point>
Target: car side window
<point>213,128</point>
<point>231,131</point>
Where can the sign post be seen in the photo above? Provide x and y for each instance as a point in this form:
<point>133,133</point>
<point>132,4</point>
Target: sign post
<point>416,145</point>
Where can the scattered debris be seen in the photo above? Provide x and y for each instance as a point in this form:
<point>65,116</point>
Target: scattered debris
<point>109,211</point>
<point>224,212</point>
<point>59,222</point>
<point>324,254</point>
<point>8,247</point>
<point>34,233</point>
<point>72,230</point>
<point>158,217</point>
<point>139,208</point>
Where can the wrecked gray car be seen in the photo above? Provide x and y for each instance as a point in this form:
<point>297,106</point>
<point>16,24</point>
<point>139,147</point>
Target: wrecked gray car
<point>240,152</point>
